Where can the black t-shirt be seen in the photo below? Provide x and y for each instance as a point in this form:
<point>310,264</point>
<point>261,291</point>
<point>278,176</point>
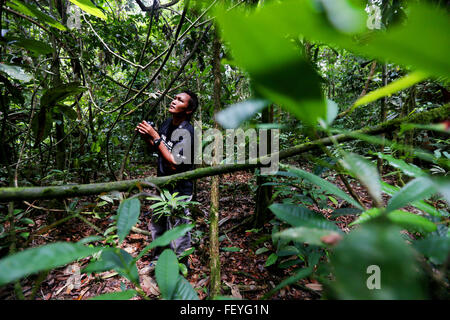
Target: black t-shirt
<point>184,187</point>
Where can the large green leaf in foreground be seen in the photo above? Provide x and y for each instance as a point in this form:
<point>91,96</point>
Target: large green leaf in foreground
<point>376,245</point>
<point>42,258</point>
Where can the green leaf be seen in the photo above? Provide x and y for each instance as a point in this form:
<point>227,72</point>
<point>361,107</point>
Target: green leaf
<point>184,290</point>
<point>299,216</point>
<point>32,11</point>
<point>391,88</point>
<point>366,173</point>
<point>376,244</point>
<point>274,63</point>
<point>128,214</point>
<point>404,219</point>
<point>408,169</point>
<point>287,251</point>
<point>34,46</point>
<point>231,249</point>
<point>120,295</point>
<point>121,261</point>
<point>417,42</point>
<point>323,184</point>
<point>15,72</point>
<point>419,204</point>
<point>42,258</point>
<point>304,234</point>
<point>59,93</point>
<point>167,273</point>
<point>417,189</point>
<point>89,7</point>
<point>234,115</point>
<point>67,111</point>
<point>300,274</point>
<point>271,259</point>
<point>261,250</point>
<point>165,239</point>
<point>436,248</point>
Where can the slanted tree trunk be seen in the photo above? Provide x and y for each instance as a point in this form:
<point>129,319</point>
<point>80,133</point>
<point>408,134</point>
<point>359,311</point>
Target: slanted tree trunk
<point>214,287</point>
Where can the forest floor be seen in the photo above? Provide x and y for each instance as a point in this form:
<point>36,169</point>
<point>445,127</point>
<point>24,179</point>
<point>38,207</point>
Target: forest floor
<point>243,272</point>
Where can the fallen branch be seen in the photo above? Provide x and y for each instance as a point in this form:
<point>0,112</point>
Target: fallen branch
<point>68,191</point>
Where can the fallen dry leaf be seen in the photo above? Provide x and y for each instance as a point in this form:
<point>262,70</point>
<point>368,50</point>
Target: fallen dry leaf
<point>149,285</point>
<point>314,286</point>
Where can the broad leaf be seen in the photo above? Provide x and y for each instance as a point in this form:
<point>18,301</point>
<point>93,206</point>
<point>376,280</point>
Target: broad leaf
<point>184,290</point>
<point>167,273</point>
<point>32,11</point>
<point>417,189</point>
<point>89,7</point>
<point>376,244</point>
<point>307,235</point>
<point>234,115</point>
<point>271,259</point>
<point>15,72</point>
<point>122,262</point>
<point>407,168</point>
<point>299,216</point>
<point>128,214</point>
<point>34,46</point>
<point>365,172</point>
<point>391,88</point>
<point>404,219</point>
<point>435,248</point>
<point>419,204</point>
<point>42,258</point>
<point>322,183</point>
<point>274,63</point>
<point>59,93</point>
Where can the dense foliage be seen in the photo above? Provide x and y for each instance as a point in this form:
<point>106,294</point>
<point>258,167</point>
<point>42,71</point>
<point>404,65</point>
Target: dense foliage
<point>77,76</point>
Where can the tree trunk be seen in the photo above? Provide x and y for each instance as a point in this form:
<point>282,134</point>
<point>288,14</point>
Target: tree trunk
<point>264,193</point>
<point>215,182</point>
<point>383,114</point>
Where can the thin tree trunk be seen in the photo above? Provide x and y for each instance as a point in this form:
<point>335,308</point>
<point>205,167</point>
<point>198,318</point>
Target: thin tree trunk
<point>383,114</point>
<point>215,182</point>
<point>264,193</point>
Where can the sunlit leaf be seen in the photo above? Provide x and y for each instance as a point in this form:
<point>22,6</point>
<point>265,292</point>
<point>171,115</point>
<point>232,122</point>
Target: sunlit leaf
<point>33,11</point>
<point>403,219</point>
<point>304,234</point>
<point>365,172</point>
<point>234,115</point>
<point>15,72</point>
<point>89,7</point>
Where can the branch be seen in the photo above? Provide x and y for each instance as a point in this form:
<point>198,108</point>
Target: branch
<point>68,191</point>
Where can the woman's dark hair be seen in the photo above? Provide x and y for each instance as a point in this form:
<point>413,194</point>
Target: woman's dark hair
<point>193,101</point>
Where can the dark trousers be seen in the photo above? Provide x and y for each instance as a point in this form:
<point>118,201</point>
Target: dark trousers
<point>164,223</point>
